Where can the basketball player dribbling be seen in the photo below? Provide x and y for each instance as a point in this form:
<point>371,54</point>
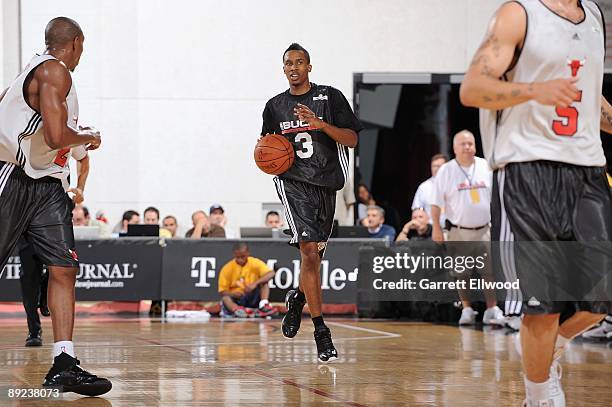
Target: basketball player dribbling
<point>38,119</point>
<point>537,78</point>
<point>320,124</point>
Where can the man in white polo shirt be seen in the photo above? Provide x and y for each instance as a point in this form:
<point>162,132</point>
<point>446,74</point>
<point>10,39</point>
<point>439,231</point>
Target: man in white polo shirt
<point>424,193</point>
<point>463,187</point>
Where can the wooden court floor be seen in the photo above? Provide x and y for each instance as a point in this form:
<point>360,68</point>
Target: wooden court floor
<point>214,363</point>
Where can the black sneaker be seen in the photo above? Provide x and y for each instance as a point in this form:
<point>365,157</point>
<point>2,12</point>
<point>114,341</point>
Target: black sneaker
<point>293,317</point>
<point>68,376</point>
<point>325,347</point>
<point>33,339</point>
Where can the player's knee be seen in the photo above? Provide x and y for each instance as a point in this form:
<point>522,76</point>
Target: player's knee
<point>311,257</point>
<point>309,248</point>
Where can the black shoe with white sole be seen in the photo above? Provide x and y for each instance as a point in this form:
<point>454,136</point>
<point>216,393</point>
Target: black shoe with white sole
<point>325,347</point>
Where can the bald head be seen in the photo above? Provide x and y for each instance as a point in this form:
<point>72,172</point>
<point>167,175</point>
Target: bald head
<point>60,31</point>
<point>463,135</point>
<point>464,147</point>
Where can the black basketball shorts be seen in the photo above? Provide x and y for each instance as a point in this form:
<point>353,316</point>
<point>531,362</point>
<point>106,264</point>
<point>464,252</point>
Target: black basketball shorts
<point>309,210</point>
<point>41,212</point>
<point>558,218</point>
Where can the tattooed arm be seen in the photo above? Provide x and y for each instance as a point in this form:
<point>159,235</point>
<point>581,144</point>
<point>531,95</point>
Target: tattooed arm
<point>483,85</point>
<point>606,116</point>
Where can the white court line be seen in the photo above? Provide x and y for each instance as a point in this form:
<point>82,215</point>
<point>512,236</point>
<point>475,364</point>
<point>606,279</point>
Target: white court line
<point>382,335</point>
<point>358,328</point>
<point>85,345</point>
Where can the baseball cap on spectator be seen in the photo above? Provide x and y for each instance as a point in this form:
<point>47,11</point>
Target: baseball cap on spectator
<point>215,207</point>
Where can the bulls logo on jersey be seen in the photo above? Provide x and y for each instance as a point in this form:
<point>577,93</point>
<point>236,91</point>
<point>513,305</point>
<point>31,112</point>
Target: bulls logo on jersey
<point>575,65</point>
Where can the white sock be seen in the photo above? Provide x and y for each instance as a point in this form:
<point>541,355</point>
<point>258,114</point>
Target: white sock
<point>63,346</point>
<point>263,302</point>
<point>536,391</point>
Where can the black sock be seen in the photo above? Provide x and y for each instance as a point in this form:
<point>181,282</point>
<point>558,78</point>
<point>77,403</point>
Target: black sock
<point>300,295</point>
<point>318,321</point>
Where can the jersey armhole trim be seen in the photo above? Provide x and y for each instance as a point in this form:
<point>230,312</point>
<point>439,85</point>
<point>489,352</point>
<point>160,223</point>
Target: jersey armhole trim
<point>603,24</point>
<point>519,48</point>
<point>25,81</point>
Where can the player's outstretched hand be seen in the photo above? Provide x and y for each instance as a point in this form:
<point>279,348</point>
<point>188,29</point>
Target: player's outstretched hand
<point>96,141</point>
<point>558,92</point>
<point>78,197</point>
<point>304,113</point>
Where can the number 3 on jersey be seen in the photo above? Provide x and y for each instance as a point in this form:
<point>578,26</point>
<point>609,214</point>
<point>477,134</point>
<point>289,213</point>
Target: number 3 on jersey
<point>307,148</point>
<point>568,126</point>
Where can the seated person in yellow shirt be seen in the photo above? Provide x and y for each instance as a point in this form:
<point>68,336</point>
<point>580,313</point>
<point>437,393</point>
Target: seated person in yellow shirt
<point>243,285</point>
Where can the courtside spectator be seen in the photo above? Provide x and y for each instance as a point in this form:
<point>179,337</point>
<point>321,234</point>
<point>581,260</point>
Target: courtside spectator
<point>273,220</point>
<point>202,227</point>
<point>81,217</point>
<point>418,228</point>
<point>243,285</point>
<point>375,223</point>
<point>151,217</point>
<point>463,187</point>
<point>365,199</point>
<point>170,224</point>
<point>129,218</point>
<point>424,193</point>
<point>217,217</point>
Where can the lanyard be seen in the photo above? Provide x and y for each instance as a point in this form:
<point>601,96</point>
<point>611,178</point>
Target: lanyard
<point>469,178</point>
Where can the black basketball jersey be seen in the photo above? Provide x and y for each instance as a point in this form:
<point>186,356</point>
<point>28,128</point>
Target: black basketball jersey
<point>319,159</point>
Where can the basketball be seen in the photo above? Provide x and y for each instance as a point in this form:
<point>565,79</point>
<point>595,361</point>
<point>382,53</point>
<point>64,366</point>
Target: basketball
<point>274,154</point>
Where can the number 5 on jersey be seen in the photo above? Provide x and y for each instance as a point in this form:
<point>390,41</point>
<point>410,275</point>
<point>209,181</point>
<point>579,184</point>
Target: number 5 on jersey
<point>568,126</point>
<point>307,148</point>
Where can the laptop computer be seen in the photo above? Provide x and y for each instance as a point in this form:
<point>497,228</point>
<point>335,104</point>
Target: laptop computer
<point>143,230</point>
<point>86,232</point>
<point>354,232</point>
<point>247,232</point>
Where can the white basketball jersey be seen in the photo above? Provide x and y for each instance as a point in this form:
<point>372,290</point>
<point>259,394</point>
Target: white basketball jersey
<point>554,48</point>
<point>21,130</point>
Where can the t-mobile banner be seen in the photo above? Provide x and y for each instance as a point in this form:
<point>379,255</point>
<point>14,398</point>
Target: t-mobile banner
<point>191,268</point>
<point>110,270</point>
<point>536,272</point>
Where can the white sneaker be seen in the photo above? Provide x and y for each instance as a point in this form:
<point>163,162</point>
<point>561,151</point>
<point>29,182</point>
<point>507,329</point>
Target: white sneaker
<point>468,316</point>
<point>514,322</point>
<point>555,396</point>
<point>494,316</point>
<point>598,333</point>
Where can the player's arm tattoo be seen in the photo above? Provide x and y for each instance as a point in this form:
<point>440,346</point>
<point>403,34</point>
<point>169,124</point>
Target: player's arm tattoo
<point>489,51</point>
<point>490,48</point>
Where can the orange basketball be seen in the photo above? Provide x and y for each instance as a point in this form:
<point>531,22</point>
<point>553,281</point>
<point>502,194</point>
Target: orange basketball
<point>274,154</point>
